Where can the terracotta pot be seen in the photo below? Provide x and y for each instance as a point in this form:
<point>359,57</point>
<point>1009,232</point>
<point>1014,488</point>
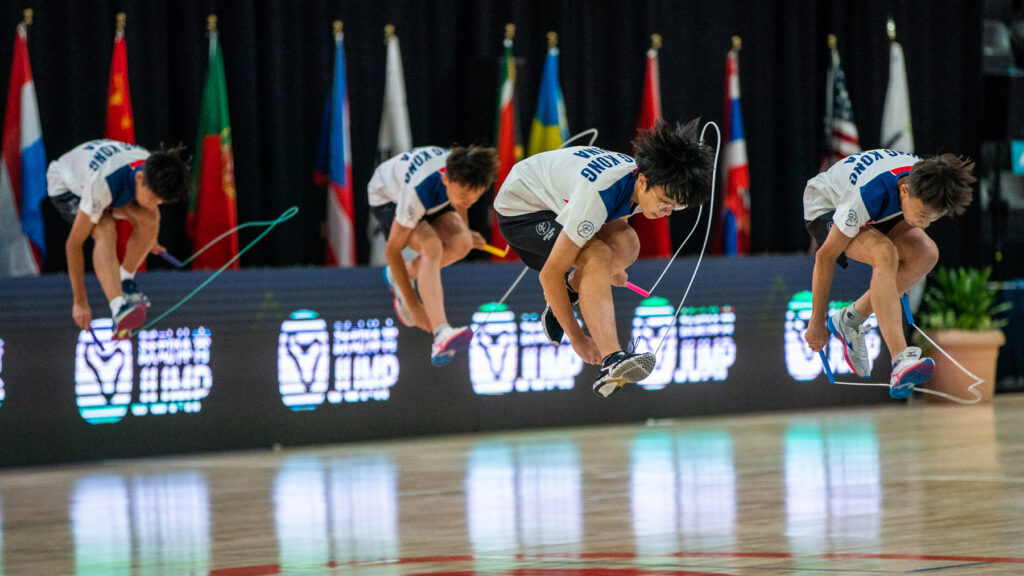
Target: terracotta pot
<point>977,351</point>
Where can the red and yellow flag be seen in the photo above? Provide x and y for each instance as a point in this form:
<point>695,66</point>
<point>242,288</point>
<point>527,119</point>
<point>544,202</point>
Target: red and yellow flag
<point>120,124</point>
<point>510,150</point>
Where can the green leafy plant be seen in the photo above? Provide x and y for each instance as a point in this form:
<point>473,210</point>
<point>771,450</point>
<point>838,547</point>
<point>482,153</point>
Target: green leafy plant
<point>961,299</point>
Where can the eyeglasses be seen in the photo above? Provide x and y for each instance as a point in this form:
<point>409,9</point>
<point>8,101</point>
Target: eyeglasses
<point>662,205</point>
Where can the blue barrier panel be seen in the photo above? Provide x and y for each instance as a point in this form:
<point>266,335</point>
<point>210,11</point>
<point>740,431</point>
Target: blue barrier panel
<point>299,356</point>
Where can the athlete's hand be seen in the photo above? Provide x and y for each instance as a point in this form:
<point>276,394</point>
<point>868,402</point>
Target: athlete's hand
<point>478,239</point>
<point>586,349</point>
<point>82,315</point>
<point>620,278</point>
<point>816,335</point>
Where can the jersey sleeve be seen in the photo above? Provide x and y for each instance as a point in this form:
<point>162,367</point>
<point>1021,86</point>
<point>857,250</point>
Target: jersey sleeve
<point>96,197</point>
<point>583,216</point>
<point>409,210</point>
<point>851,213</point>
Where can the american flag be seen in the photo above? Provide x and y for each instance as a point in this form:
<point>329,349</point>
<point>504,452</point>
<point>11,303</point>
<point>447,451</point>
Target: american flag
<point>841,138</point>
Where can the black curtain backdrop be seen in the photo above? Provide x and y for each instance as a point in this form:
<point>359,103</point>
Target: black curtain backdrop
<point>278,55</point>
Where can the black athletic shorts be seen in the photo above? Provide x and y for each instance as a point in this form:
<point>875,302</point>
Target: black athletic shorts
<point>531,236</point>
<point>385,215</point>
<point>822,225</point>
<point>66,205</point>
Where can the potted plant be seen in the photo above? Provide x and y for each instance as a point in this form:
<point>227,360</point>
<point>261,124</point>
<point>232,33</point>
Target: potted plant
<point>958,315</point>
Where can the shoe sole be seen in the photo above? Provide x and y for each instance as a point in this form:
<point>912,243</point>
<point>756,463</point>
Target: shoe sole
<point>846,348</point>
<point>917,374</point>
<point>629,371</point>
<point>457,343</point>
<point>132,321</point>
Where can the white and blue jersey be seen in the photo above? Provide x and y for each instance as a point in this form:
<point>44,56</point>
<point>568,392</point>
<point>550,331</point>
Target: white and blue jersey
<point>413,182</point>
<point>585,186</point>
<point>100,172</point>
<point>862,189</point>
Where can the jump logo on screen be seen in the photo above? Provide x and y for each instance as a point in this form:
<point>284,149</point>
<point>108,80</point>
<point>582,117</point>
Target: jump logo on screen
<point>802,363</point>
<point>174,373</point>
<point>362,356</point>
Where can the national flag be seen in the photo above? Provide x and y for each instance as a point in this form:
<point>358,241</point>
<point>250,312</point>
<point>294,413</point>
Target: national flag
<point>550,126</point>
<point>395,135</point>
<point>655,237</point>
<point>510,150</point>
<point>23,171</point>
<point>735,238</point>
<point>897,130</point>
<point>334,164</point>
<point>212,207</point>
<point>841,139</point>
<point>120,125</point>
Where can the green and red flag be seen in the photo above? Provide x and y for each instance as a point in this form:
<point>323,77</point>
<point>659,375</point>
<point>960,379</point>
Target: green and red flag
<point>212,209</point>
<point>510,150</point>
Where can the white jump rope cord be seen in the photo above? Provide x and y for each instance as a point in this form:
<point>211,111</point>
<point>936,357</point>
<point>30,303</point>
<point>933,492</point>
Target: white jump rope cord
<point>707,234</point>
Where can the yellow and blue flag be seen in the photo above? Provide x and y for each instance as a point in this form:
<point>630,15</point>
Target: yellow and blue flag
<point>550,126</point>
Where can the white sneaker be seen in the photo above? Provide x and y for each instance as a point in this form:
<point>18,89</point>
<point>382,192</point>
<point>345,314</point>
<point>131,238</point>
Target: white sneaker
<point>449,342</point>
<point>855,348</point>
<point>623,368</point>
<point>401,309</point>
<point>908,370</point>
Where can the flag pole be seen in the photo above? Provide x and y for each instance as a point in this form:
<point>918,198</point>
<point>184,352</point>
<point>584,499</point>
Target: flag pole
<point>211,23</point>
<point>510,31</point>
<point>832,42</point>
<point>122,20</point>
<point>27,13</point>
<point>552,40</point>
<point>655,42</point>
<point>737,43</point>
<point>389,31</point>
<point>890,29</point>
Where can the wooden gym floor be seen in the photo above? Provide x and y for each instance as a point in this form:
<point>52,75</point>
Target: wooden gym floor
<point>884,490</point>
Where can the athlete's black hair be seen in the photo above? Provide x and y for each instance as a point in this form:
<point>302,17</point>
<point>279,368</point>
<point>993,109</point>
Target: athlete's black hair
<point>472,166</point>
<point>943,183</point>
<point>167,174</point>
<point>674,157</point>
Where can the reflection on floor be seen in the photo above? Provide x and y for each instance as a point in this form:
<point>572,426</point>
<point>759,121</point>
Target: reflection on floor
<point>882,490</point>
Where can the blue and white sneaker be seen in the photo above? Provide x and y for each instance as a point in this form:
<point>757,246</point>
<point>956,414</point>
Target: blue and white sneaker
<point>401,309</point>
<point>129,318</point>
<point>909,370</point>
<point>130,291</point>
<point>621,368</point>
<point>855,348</point>
<point>448,343</point>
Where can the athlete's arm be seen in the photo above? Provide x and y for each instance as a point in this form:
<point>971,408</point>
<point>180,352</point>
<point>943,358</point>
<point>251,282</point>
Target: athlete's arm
<point>552,280</point>
<point>80,231</point>
<point>398,238</point>
<point>821,283</point>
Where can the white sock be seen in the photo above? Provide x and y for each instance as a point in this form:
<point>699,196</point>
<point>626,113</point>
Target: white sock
<point>126,275</point>
<point>440,329</point>
<point>115,305</point>
<point>852,317</point>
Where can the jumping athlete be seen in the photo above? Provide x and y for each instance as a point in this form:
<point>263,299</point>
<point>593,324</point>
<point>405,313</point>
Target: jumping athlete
<point>565,213</point>
<point>420,199</point>
<point>874,207</point>
<point>91,186</point>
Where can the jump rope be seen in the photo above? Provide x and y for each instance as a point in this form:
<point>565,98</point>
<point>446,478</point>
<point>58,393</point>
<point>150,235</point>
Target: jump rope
<point>268,224</point>
<point>707,234</point>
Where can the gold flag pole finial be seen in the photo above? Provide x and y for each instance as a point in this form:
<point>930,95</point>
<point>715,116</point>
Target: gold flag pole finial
<point>831,41</point>
<point>211,22</point>
<point>27,13</point>
<point>510,31</point>
<point>737,43</point>
<point>655,41</point>
<point>338,27</point>
<point>389,31</point>
<point>552,40</point>
<point>122,20</point>
<point>890,29</point>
